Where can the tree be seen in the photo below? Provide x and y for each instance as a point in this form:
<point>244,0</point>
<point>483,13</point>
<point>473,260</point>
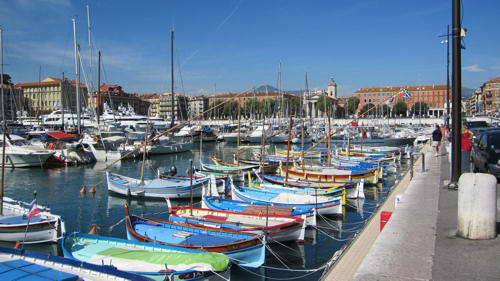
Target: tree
<point>420,109</point>
<point>383,109</point>
<point>267,107</point>
<point>366,108</point>
<point>324,103</point>
<point>7,79</point>
<point>340,112</point>
<point>352,104</point>
<point>400,108</point>
<point>252,107</point>
<point>295,105</point>
<point>218,110</point>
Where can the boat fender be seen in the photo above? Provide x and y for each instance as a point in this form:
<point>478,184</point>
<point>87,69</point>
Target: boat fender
<point>96,139</point>
<point>93,230</point>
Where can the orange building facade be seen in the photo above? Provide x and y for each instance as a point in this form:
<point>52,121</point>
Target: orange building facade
<point>434,96</point>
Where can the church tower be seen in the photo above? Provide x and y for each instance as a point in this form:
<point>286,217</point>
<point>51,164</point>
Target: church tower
<point>332,88</point>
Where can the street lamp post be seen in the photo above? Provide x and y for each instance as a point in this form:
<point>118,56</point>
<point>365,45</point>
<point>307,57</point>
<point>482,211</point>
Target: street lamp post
<point>447,41</point>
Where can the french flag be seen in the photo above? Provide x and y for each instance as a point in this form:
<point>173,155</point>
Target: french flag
<point>33,209</point>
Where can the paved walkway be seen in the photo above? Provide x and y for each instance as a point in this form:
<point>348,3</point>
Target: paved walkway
<point>404,249</point>
<point>419,242</point>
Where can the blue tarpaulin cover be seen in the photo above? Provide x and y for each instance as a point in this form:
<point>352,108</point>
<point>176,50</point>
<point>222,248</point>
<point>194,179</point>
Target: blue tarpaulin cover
<point>23,270</point>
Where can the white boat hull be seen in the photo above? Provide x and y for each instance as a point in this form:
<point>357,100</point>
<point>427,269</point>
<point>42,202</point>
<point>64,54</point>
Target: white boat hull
<point>18,160</point>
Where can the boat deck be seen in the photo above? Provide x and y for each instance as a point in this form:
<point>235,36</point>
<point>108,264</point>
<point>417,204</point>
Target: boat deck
<point>9,220</point>
<point>181,237</point>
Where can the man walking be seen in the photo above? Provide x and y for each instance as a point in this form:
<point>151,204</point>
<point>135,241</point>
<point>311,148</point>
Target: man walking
<point>436,140</point>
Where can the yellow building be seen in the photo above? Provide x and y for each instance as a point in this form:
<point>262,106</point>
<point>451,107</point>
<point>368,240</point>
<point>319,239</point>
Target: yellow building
<point>154,101</point>
<point>51,94</point>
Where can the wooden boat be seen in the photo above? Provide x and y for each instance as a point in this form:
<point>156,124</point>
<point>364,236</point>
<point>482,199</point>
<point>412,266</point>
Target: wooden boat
<point>227,169</point>
<point>155,188</point>
<point>325,205</point>
<point>43,227</point>
<point>268,167</point>
<point>370,150</point>
<point>220,176</point>
<point>265,166</point>
<point>329,175</point>
<point>29,265</point>
<point>218,203</point>
<point>147,259</point>
<point>352,189</point>
<point>296,153</point>
<point>276,227</point>
<point>246,250</point>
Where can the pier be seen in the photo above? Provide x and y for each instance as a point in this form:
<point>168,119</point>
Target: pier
<point>419,241</point>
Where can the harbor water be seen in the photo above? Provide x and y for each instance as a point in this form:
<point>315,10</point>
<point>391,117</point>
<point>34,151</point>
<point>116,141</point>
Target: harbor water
<point>59,189</point>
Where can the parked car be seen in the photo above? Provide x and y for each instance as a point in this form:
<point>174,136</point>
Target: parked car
<point>485,153</point>
<point>476,124</point>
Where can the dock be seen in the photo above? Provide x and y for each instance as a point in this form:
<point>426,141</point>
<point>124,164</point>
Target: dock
<point>419,241</point>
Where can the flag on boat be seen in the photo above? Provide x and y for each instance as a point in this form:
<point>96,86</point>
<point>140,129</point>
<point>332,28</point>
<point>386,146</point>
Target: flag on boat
<point>404,94</point>
<point>33,209</point>
<point>389,101</point>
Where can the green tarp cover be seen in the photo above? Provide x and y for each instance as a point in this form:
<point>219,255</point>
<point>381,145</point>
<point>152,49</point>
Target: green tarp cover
<point>218,261</point>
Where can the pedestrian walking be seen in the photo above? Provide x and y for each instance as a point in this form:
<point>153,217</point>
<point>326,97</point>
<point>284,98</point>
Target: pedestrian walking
<point>436,140</point>
<point>466,148</point>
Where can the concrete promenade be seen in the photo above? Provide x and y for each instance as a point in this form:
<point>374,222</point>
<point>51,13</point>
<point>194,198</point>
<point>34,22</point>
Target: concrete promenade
<point>419,242</point>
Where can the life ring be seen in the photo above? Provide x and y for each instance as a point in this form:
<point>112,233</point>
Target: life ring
<point>96,139</point>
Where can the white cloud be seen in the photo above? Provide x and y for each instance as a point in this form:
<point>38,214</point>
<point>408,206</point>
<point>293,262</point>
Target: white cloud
<point>47,52</point>
<point>34,4</point>
<point>473,68</point>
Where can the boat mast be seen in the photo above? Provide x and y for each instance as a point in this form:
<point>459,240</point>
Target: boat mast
<point>172,75</point>
<point>62,102</point>
<point>302,130</point>
<point>4,124</point>
<point>77,72</point>
<point>238,140</point>
<point>90,53</point>
<point>99,102</point>
<point>329,136</point>
<point>145,148</point>
<point>288,147</point>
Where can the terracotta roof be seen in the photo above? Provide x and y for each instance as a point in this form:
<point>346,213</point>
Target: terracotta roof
<point>494,80</point>
<point>399,88</point>
<point>150,96</point>
<point>251,94</point>
<point>53,81</point>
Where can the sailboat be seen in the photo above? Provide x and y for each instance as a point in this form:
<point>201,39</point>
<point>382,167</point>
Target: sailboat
<point>17,221</point>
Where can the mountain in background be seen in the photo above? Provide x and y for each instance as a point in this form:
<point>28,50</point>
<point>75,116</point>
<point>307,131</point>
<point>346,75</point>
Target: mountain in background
<point>264,88</point>
<point>467,92</point>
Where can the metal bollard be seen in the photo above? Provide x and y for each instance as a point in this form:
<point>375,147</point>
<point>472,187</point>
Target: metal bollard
<point>423,162</point>
<point>411,166</point>
<point>423,159</point>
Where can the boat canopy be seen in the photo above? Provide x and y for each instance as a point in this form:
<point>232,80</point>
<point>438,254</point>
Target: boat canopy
<point>60,135</point>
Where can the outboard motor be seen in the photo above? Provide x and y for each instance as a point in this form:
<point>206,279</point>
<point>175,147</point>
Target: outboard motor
<point>173,171</point>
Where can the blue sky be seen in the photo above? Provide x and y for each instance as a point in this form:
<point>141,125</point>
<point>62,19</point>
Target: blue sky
<point>239,44</point>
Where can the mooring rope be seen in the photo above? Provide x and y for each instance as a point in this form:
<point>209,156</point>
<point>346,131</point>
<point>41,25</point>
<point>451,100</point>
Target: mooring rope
<point>336,239</point>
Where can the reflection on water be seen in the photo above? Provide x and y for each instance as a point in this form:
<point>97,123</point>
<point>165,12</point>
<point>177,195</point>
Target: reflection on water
<point>59,189</point>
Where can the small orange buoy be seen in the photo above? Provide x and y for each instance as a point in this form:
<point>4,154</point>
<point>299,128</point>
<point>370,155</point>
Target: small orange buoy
<point>92,189</point>
<point>17,245</point>
<point>83,190</point>
<point>93,230</point>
